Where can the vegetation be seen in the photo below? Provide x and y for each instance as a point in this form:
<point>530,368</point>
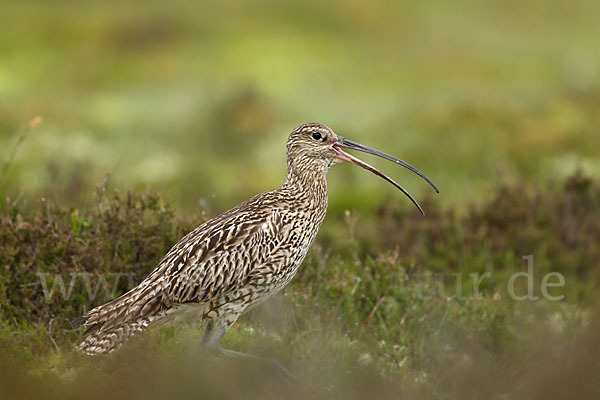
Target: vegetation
<point>123,126</point>
<point>380,305</point>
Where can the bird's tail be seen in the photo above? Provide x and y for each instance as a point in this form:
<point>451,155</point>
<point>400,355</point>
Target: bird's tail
<point>112,324</point>
<point>104,341</point>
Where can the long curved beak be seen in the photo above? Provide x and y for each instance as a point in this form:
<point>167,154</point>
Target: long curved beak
<point>344,143</point>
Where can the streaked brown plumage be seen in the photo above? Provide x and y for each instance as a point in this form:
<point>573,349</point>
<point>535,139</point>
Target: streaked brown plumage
<point>235,260</point>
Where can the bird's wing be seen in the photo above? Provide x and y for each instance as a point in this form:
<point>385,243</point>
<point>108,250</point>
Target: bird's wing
<point>222,260</point>
<point>215,258</point>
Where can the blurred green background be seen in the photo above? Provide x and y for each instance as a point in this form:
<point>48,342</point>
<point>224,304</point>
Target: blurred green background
<point>195,99</point>
<point>498,102</point>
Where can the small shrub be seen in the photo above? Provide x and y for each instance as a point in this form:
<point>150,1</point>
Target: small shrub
<point>79,256</point>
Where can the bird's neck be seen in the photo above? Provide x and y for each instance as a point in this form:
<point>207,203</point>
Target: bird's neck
<point>308,183</point>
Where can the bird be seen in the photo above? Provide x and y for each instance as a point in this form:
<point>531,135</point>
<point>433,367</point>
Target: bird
<point>238,259</point>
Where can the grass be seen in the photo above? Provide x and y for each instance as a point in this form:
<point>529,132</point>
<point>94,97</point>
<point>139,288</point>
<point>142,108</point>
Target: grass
<point>375,310</point>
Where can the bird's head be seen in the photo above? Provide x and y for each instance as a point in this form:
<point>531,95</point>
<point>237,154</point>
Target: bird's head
<point>309,148</point>
<point>314,148</point>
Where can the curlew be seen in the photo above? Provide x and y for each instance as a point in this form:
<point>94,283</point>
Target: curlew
<point>237,259</point>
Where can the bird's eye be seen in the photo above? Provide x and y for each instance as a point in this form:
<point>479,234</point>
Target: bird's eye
<point>316,136</point>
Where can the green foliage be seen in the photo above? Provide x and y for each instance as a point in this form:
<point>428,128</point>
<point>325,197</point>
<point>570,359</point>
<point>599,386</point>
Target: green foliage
<point>53,257</point>
<point>377,303</point>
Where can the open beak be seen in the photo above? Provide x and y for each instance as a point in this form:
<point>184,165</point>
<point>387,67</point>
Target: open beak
<point>344,143</point>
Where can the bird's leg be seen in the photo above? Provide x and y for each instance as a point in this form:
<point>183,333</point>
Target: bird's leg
<point>208,333</point>
<point>211,340</point>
